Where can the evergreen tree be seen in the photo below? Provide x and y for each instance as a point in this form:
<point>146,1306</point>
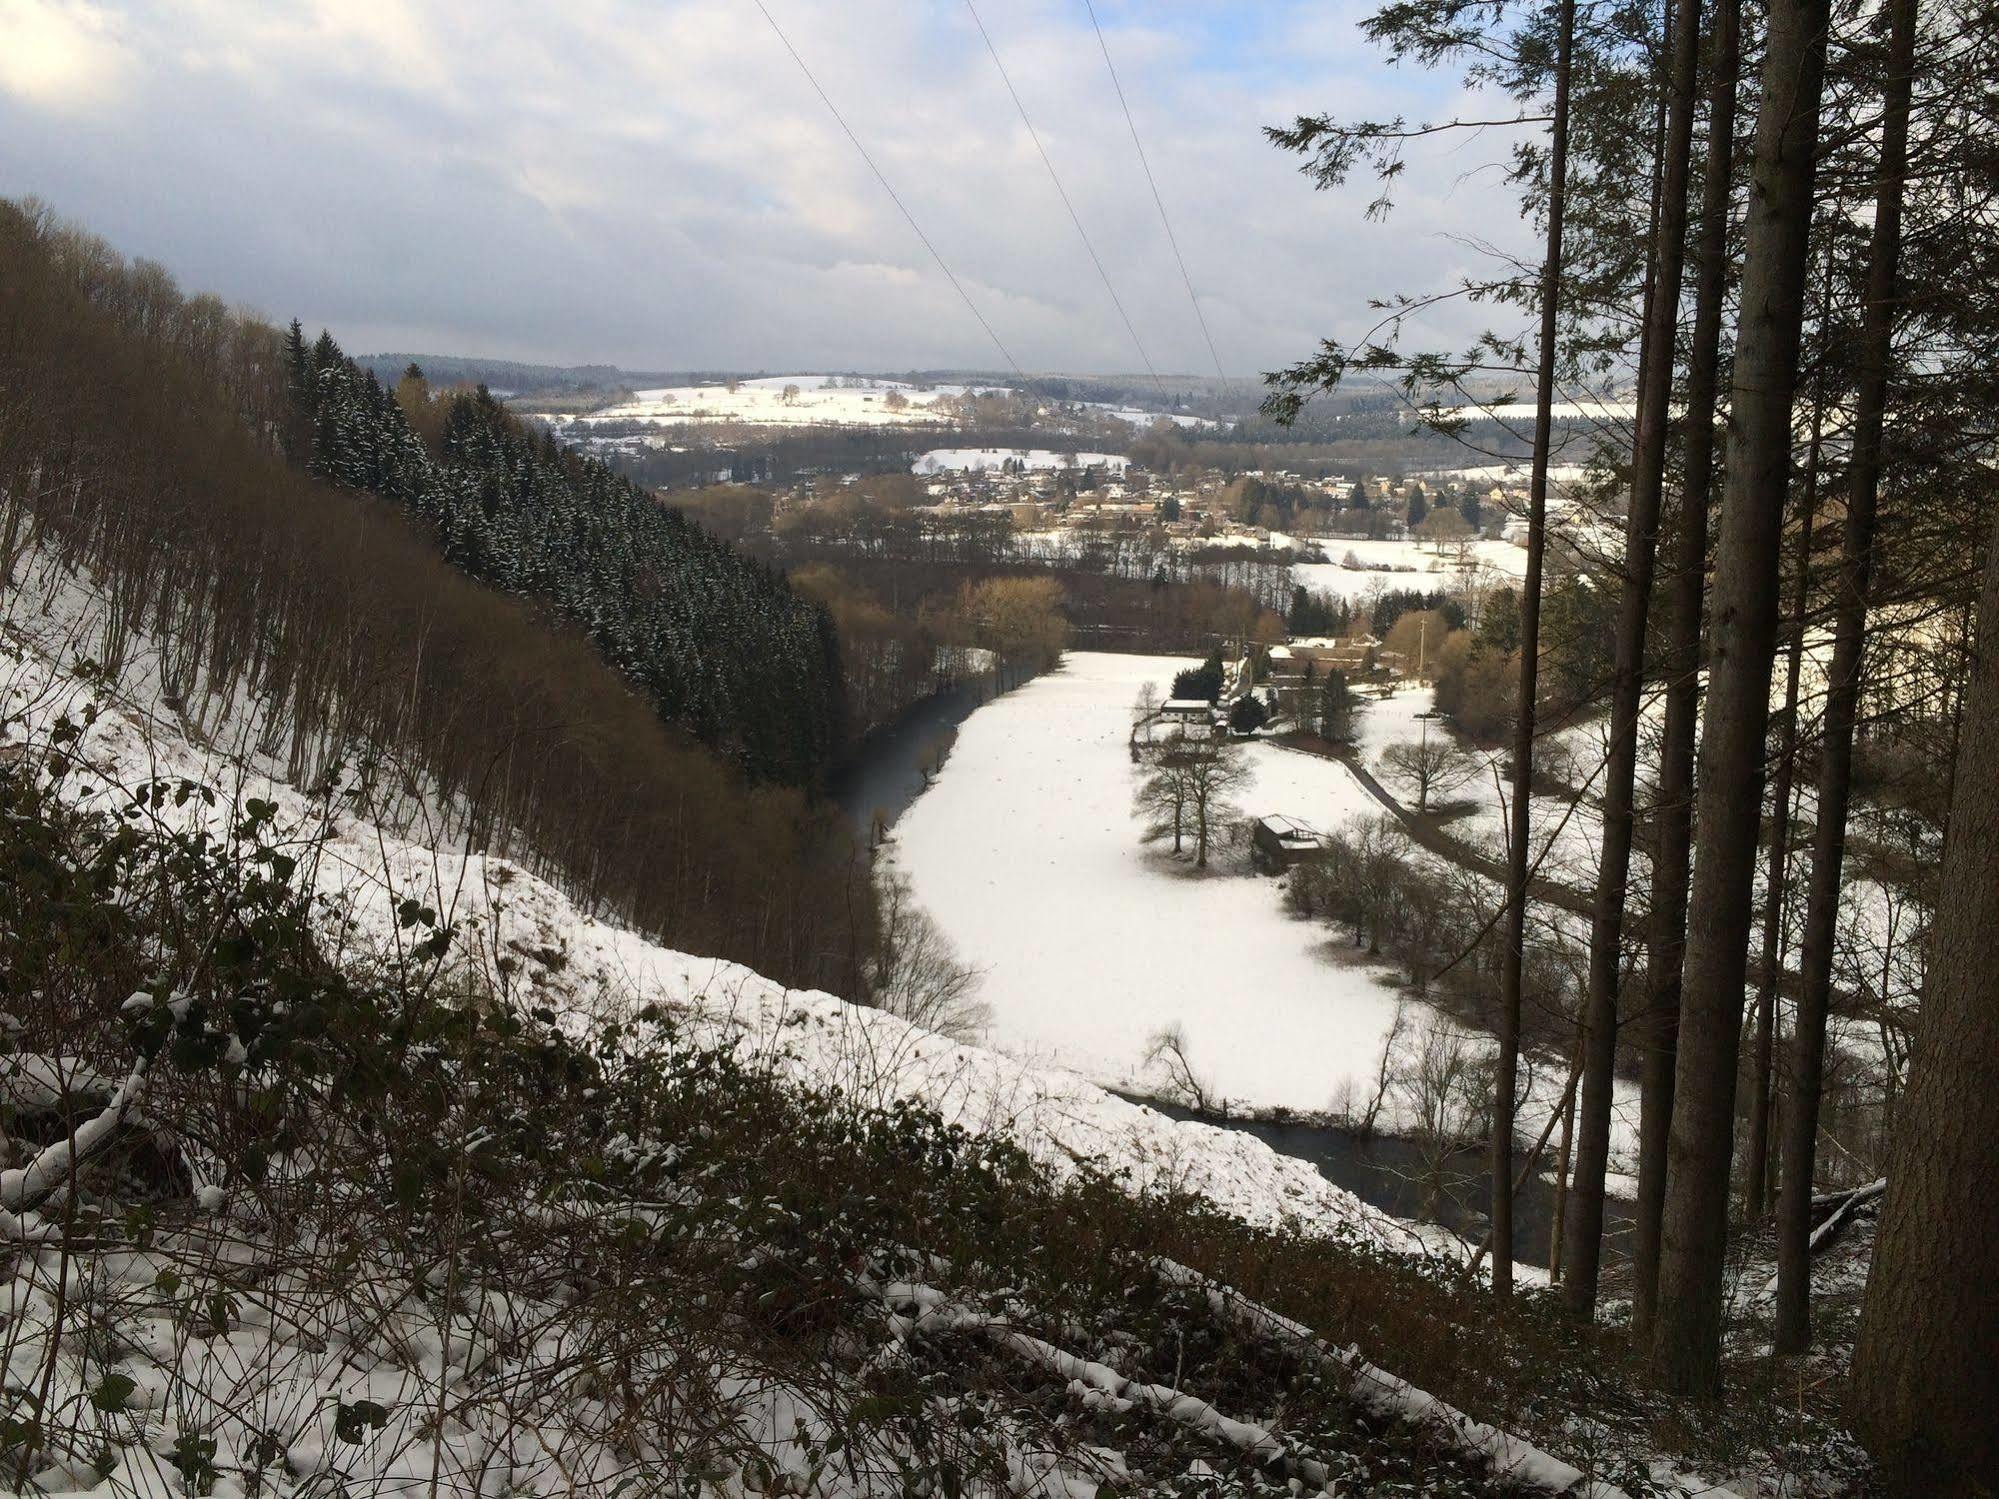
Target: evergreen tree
<point>720,644</point>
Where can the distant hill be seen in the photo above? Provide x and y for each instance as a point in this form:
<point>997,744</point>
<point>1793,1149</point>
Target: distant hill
<point>514,376</point>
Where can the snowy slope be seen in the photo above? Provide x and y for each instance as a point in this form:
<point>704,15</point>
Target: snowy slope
<point>278,1364</point>
<point>365,870</point>
<point>814,401</point>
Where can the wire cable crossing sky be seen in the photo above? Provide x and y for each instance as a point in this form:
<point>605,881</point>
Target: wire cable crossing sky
<point>1054,177</point>
<point>656,194</point>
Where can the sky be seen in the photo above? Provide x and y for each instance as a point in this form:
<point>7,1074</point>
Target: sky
<point>655,184</point>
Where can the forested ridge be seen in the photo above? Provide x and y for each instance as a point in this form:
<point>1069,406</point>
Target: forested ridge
<point>144,442</point>
<point>720,644</point>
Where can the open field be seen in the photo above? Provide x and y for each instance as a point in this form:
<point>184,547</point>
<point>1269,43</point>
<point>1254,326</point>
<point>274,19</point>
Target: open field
<point>1027,853</point>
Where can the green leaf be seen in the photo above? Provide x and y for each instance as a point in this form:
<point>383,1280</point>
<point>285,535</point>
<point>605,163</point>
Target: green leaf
<point>111,1395</point>
<point>351,1422</point>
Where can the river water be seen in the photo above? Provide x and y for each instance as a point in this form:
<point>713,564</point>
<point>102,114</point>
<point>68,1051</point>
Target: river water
<point>884,776</point>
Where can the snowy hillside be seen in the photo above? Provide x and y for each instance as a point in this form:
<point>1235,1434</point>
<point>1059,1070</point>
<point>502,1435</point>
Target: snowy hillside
<point>267,1385</point>
<point>783,401</point>
<point>366,872</point>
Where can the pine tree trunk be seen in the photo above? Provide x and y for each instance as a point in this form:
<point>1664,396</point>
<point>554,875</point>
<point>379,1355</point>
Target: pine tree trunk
<point>1925,1381</point>
<point>1757,1177</point>
<point>1850,589</point>
<point>1582,1252</point>
<point>1777,868</point>
<point>1686,602</point>
<point>1506,1070</point>
<point>1694,1227</point>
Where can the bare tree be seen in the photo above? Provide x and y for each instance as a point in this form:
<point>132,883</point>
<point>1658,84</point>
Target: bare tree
<point>1441,1079</point>
<point>1146,705</point>
<point>1189,790</point>
<point>936,750</point>
<point>915,973</point>
<point>1168,1050</point>
<point>1432,766</point>
<point>1360,1118</point>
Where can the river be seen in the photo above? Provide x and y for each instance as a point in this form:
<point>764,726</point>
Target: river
<point>1403,1177</point>
<point>885,775</point>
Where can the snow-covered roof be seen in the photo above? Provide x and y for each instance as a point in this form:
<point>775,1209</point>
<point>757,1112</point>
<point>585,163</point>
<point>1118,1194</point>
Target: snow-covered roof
<point>1290,829</point>
<point>1187,705</point>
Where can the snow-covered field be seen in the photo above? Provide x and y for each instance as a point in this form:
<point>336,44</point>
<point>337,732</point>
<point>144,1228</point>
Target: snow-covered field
<point>1402,564</point>
<point>1138,416</point>
<point>940,460</point>
<point>783,401</point>
<point>1027,852</point>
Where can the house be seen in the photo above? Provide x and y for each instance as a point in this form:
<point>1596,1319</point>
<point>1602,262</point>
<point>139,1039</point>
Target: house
<point>1189,717</point>
<point>1278,842</point>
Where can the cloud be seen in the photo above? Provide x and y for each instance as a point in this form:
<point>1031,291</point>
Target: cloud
<point>60,57</point>
<point>659,185</point>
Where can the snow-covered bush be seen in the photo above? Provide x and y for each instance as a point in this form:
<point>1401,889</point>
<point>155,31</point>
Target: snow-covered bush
<point>285,1224</point>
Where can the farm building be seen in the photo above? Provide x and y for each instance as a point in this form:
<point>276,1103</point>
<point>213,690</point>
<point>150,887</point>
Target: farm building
<point>1277,842</point>
<point>1192,717</point>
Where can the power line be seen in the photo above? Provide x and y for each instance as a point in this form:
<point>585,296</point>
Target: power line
<point>883,180</point>
<point>1063,193</point>
<point>1132,125</point>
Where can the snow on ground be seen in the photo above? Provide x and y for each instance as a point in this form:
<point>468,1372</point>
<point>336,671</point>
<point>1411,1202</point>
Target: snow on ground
<point>1138,416</point>
<point>1387,565</point>
<point>815,401</point>
<point>365,870</point>
<point>1027,852</point>
<point>1565,842</point>
<point>1517,472</point>
<point>938,460</point>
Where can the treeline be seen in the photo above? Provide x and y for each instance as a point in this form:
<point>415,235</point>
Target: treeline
<point>897,577</point>
<point>718,642</point>
<point>1833,521</point>
<point>142,441</point>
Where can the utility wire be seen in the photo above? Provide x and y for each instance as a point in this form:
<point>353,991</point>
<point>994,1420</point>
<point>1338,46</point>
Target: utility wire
<point>1160,202</point>
<point>1063,193</point>
<point>883,180</point>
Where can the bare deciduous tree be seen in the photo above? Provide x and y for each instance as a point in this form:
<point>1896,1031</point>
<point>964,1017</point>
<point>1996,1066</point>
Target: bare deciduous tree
<point>916,973</point>
<point>1432,766</point>
<point>1188,791</point>
<point>1168,1050</point>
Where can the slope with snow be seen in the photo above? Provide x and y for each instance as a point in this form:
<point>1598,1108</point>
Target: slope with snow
<point>782,401</point>
<point>366,870</point>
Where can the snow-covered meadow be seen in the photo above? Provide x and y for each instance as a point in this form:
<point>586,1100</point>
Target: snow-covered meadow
<point>966,460</point>
<point>783,401</point>
<point>1387,565</point>
<point>1027,852</point>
